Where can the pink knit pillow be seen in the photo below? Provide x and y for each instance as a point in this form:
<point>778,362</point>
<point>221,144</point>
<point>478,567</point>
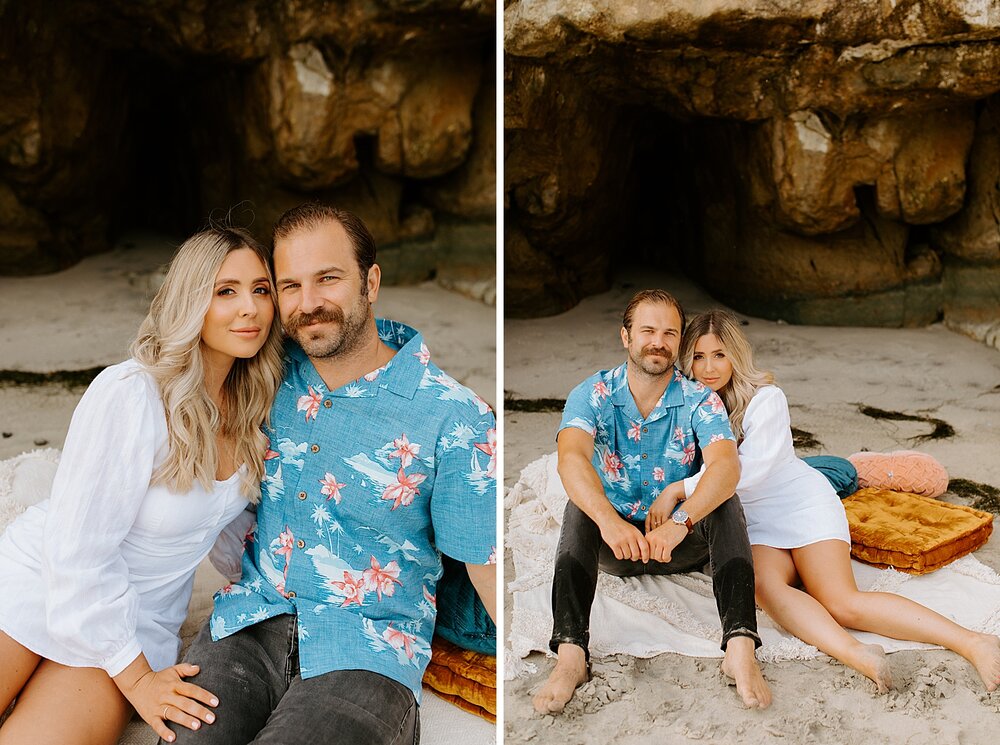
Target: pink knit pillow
<point>902,470</point>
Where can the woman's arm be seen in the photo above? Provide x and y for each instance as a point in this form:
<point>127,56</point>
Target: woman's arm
<point>91,605</point>
<point>767,438</point>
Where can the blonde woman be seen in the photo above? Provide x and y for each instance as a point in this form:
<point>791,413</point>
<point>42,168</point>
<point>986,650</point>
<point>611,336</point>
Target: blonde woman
<point>797,525</point>
<point>163,451</point>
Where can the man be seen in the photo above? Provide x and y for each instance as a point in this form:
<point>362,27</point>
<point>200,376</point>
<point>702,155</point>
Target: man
<point>627,433</point>
<point>378,463</point>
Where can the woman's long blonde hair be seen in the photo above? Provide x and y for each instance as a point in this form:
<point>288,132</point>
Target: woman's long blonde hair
<point>168,346</point>
<point>746,377</point>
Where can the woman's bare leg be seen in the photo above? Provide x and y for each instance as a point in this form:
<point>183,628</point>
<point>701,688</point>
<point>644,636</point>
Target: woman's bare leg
<point>825,569</point>
<point>802,615</point>
<point>18,665</point>
<point>81,705</point>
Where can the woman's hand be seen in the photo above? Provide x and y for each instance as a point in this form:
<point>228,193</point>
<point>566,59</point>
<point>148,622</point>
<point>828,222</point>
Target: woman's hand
<point>661,509</point>
<point>161,697</point>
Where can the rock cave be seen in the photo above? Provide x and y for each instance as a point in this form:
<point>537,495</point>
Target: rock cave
<point>119,117</point>
<point>822,163</point>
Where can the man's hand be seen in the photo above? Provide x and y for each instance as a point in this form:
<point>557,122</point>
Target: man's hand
<point>625,539</point>
<point>663,540</point>
<point>663,507</point>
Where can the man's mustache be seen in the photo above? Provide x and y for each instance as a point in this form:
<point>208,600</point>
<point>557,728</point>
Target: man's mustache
<point>661,351</point>
<point>323,315</point>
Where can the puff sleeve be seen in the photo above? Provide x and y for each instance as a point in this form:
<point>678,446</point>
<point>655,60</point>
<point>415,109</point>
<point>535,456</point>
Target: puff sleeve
<point>767,440</point>
<point>103,476</point>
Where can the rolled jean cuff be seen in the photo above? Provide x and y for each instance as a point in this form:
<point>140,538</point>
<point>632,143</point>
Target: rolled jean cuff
<point>741,631</point>
<point>555,641</point>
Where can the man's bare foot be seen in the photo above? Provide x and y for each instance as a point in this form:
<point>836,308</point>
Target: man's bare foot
<point>740,664</point>
<point>984,653</point>
<point>872,663</point>
<point>569,673</point>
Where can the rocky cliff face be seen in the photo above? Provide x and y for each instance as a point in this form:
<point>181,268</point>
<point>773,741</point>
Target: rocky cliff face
<point>116,113</point>
<point>820,161</point>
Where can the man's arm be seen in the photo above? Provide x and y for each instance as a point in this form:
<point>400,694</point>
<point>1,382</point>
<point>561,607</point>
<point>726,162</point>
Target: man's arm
<point>583,485</point>
<point>718,482</point>
<point>484,579</point>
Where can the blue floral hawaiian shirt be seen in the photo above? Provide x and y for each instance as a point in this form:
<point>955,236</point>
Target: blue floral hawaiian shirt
<point>365,487</point>
<point>637,457</point>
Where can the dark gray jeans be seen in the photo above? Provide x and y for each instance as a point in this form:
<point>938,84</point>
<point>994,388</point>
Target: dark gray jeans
<point>262,698</point>
<point>720,539</point>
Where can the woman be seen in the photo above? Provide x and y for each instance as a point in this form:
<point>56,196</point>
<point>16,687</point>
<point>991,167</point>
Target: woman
<point>163,451</point>
<point>797,525</point>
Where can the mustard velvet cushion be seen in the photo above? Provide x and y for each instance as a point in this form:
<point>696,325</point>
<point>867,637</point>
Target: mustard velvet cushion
<point>911,533</point>
<point>902,470</point>
<point>464,678</point>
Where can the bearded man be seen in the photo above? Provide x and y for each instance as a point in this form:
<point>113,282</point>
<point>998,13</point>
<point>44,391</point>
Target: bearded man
<point>627,433</point>
<point>379,464</point>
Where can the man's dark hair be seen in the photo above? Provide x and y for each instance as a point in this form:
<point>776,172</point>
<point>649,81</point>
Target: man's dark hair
<point>651,296</point>
<point>312,214</point>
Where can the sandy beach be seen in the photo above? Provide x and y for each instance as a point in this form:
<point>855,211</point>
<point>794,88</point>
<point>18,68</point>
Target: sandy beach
<point>828,375</point>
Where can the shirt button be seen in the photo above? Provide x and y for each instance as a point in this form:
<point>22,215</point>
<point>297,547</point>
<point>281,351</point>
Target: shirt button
<point>645,483</point>
<point>644,456</point>
<point>315,449</point>
<point>645,429</point>
<point>328,403</point>
<point>302,495</point>
<point>291,594</point>
<point>300,544</point>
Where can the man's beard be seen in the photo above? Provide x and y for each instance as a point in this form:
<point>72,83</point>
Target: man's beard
<point>343,338</point>
<point>643,362</point>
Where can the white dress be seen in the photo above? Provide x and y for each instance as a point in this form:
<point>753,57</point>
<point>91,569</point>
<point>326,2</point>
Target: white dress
<point>787,503</point>
<point>103,569</point>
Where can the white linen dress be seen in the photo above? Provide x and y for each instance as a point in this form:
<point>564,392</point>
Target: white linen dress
<point>104,568</point>
<point>787,503</point>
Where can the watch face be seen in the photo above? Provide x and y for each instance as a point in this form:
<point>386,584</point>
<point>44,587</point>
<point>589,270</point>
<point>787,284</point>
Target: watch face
<point>680,517</point>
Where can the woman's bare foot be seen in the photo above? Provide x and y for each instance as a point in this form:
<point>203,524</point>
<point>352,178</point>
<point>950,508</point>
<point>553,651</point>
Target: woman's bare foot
<point>872,663</point>
<point>984,653</point>
<point>740,664</point>
<point>569,673</point>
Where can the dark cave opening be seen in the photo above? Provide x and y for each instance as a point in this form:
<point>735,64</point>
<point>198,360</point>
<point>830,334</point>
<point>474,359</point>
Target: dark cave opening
<point>172,134</point>
<point>675,164</point>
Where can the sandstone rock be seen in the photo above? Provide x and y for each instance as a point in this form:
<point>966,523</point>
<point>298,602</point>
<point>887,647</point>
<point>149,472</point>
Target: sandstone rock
<point>470,191</point>
<point>568,158</point>
<point>974,234</point>
<point>916,163</point>
<point>850,127</point>
<point>118,113</point>
<point>435,115</point>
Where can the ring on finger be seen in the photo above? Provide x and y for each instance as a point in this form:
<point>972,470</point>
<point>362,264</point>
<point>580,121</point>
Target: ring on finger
<point>165,707</point>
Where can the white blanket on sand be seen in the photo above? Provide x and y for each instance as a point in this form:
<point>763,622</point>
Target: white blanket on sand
<point>644,616</point>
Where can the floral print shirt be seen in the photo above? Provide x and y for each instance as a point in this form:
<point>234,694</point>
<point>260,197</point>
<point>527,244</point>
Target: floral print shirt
<point>637,457</point>
<point>365,487</point>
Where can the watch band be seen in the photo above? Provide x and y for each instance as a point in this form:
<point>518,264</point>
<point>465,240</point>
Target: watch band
<point>681,517</point>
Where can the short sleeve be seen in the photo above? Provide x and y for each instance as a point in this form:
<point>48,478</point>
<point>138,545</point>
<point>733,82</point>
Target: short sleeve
<point>103,476</point>
<point>581,409</point>
<point>464,501</point>
<point>710,421</point>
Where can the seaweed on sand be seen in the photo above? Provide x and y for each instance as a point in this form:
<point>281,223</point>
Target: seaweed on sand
<point>942,430</point>
<point>984,496</point>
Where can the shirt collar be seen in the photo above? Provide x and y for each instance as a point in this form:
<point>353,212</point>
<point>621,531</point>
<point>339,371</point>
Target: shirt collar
<point>621,395</point>
<point>401,375</point>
